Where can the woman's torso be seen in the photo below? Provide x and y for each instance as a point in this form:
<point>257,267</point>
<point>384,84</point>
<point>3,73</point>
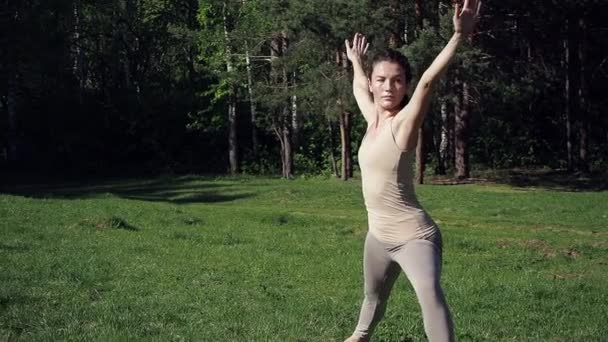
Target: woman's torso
<point>394,213</point>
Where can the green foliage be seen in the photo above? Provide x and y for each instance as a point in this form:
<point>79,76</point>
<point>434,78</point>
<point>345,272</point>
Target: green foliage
<point>264,163</point>
<point>120,82</point>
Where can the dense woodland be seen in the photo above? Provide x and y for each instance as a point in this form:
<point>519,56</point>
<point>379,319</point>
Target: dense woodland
<point>264,86</point>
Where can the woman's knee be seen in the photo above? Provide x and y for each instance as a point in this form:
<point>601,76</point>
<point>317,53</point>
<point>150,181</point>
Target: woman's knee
<point>429,291</point>
<point>375,294</point>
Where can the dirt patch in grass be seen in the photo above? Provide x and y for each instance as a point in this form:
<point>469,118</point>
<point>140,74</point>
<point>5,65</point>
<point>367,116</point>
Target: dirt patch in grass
<point>558,179</point>
<point>103,223</point>
<point>541,247</point>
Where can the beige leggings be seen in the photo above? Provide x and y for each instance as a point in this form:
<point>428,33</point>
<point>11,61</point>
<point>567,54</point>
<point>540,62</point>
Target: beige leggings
<point>421,262</point>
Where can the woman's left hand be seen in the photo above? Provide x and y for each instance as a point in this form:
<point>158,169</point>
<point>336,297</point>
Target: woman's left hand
<point>466,19</point>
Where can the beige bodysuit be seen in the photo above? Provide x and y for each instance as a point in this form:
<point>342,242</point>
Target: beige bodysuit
<point>401,236</point>
<point>394,214</point>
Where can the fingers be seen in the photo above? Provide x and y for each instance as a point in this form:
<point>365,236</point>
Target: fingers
<point>352,46</point>
<point>361,46</point>
<point>471,6</point>
<point>359,42</point>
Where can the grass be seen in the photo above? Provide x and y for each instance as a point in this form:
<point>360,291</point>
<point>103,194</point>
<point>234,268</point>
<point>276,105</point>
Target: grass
<point>260,259</point>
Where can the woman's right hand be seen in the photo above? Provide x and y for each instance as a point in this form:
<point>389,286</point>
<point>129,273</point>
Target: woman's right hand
<point>357,50</point>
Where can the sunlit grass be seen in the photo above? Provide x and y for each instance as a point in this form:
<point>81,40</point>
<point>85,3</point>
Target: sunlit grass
<point>260,259</point>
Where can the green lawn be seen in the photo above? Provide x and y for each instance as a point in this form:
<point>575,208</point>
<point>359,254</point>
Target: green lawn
<point>261,259</point>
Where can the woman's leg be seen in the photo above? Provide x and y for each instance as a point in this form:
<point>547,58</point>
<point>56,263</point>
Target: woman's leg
<point>421,262</point>
<point>380,273</point>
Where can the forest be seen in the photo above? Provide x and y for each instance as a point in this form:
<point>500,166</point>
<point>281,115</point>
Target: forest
<point>264,86</point>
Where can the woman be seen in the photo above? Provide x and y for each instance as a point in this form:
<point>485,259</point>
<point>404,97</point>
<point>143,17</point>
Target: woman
<point>401,235</point>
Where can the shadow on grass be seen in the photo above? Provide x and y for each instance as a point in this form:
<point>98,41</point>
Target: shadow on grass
<point>560,180</point>
<point>14,247</point>
<point>112,222</point>
<point>178,190</point>
<point>557,180</point>
<point>15,299</point>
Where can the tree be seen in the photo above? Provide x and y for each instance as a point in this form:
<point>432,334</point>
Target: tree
<point>92,86</point>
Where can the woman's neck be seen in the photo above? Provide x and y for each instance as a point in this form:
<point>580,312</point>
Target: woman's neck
<point>384,114</point>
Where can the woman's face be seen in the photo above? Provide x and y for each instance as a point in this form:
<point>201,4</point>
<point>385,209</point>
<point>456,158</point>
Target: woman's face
<point>388,85</point>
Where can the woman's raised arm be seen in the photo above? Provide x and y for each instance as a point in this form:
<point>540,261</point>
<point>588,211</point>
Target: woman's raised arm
<point>355,53</point>
<point>413,114</point>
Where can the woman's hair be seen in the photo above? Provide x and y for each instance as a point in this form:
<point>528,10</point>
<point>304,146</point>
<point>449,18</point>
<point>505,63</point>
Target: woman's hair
<point>393,56</point>
<point>390,55</point>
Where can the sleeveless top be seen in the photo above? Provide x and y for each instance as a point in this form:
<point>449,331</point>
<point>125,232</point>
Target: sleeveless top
<point>387,174</point>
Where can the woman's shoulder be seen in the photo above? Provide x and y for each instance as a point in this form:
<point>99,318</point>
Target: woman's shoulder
<point>403,114</point>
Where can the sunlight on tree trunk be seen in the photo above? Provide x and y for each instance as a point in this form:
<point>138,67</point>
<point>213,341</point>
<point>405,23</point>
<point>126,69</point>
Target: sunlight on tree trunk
<point>461,132</point>
<point>232,120</point>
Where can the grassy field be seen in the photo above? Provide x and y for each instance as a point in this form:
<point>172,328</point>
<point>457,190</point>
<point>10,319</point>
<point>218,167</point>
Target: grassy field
<point>260,259</point>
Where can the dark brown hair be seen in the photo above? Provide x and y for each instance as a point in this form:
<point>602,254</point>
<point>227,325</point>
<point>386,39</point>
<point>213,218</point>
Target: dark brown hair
<point>393,56</point>
<point>390,55</point>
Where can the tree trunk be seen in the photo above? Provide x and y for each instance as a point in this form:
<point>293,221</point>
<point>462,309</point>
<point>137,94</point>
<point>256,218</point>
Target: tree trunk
<point>295,119</point>
<point>461,133</point>
<point>348,144</point>
<point>420,165</point>
<point>252,107</point>
<point>124,36</point>
<point>420,148</point>
<point>443,145</point>
<point>397,37</point>
<point>232,137</point>
<point>571,84</point>
<point>279,133</point>
<point>12,100</point>
<point>343,140</point>
<point>232,126</point>
<point>451,155</point>
<point>529,34</point>
<point>419,15</point>
<point>288,150</point>
<point>278,47</point>
<point>345,125</point>
<point>78,64</point>
<point>334,165</point>
<point>287,133</point>
<point>406,37</point>
<point>567,109</point>
<point>583,113</point>
<point>344,118</point>
<point>436,142</point>
<point>435,15</point>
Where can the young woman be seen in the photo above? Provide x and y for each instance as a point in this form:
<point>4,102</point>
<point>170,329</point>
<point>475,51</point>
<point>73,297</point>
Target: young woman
<point>401,234</point>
